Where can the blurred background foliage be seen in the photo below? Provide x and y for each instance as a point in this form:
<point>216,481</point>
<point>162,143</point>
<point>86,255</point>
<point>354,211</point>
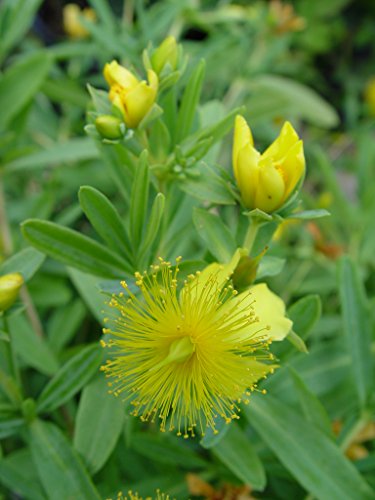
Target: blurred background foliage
<point>310,62</point>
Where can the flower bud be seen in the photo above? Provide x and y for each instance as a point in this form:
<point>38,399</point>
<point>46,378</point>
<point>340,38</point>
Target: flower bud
<point>109,127</point>
<point>10,285</point>
<point>166,53</point>
<point>267,180</point>
<point>132,97</point>
<point>71,21</point>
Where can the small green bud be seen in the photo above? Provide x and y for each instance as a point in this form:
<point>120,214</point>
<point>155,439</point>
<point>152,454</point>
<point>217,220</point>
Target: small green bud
<point>166,53</point>
<point>246,271</point>
<point>109,127</point>
<point>28,408</point>
<point>10,285</point>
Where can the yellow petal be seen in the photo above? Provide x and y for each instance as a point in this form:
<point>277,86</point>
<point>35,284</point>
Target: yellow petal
<point>271,312</point>
<point>242,137</point>
<point>270,189</point>
<point>280,147</point>
<point>153,80</point>
<point>293,167</point>
<point>114,73</point>
<point>137,103</point>
<point>247,174</point>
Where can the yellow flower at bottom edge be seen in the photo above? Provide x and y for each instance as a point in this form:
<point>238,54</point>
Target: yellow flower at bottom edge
<point>134,496</point>
<point>267,180</point>
<point>134,98</point>
<point>186,358</point>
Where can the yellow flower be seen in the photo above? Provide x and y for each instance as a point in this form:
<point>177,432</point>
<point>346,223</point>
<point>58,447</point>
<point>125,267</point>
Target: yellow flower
<point>10,285</point>
<point>71,22</point>
<point>134,496</point>
<point>267,180</point>
<point>370,95</point>
<point>134,98</point>
<point>189,357</point>
<point>166,53</point>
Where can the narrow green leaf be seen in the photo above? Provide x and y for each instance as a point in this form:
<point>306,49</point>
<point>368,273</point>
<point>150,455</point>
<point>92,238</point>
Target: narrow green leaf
<point>10,426</point>
<point>59,467</point>
<point>64,323</point>
<point>311,457</point>
<point>215,234</point>
<point>32,349</point>
<point>356,323</point>
<point>139,200</point>
<point>309,214</point>
<point>16,25</point>
<point>153,224</point>
<point>95,438</point>
<point>26,262</point>
<point>106,220</point>
<point>70,378</point>
<point>312,408</point>
<point>305,313</point>
<point>18,474</point>
<point>19,84</point>
<point>73,249</point>
<point>237,453</point>
<point>73,150</point>
<point>105,14</point>
<point>189,102</point>
<point>160,449</point>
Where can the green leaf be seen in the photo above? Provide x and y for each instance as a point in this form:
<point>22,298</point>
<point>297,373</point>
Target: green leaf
<point>105,14</point>
<point>153,224</point>
<point>312,408</point>
<point>270,266</point>
<point>64,323</point>
<point>88,288</point>
<point>73,249</point>
<point>309,214</point>
<point>16,26</point>
<point>215,234</point>
<point>139,200</point>
<point>211,438</point>
<point>95,438</point>
<point>299,99</point>
<point>70,378</point>
<point>10,426</point>
<point>357,326</point>
<point>305,313</point>
<point>19,84</point>
<point>73,150</point>
<point>237,453</point>
<point>189,102</point>
<point>106,220</point>
<point>18,474</point>
<point>32,349</point>
<point>59,467</point>
<point>26,262</point>
<point>160,449</point>
<point>311,457</point>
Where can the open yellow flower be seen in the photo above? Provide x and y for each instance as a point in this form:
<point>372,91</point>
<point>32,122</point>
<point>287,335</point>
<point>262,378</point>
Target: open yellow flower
<point>133,97</point>
<point>267,180</point>
<point>188,357</point>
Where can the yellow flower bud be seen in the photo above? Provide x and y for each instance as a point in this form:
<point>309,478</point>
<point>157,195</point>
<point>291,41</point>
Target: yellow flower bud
<point>109,127</point>
<point>71,22</point>
<point>267,180</point>
<point>10,285</point>
<point>166,53</point>
<point>132,97</point>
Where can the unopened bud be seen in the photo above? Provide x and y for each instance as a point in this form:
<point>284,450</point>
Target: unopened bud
<point>10,285</point>
<point>109,127</point>
<point>166,53</point>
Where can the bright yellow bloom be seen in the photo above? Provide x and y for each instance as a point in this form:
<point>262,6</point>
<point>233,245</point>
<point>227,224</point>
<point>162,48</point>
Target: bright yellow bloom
<point>134,98</point>
<point>10,285</point>
<point>166,53</point>
<point>71,22</point>
<point>370,95</point>
<point>191,356</point>
<point>267,180</point>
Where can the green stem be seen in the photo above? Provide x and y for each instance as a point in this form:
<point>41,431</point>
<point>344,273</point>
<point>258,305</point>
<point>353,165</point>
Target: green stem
<point>251,234</point>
